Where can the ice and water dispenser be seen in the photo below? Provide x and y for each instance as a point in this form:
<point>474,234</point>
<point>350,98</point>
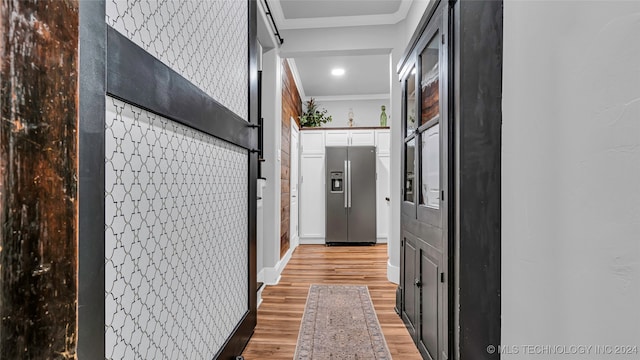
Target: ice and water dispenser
<point>337,182</point>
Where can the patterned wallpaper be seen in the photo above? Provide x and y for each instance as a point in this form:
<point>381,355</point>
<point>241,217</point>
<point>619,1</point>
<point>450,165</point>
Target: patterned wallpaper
<point>204,41</point>
<point>176,237</point>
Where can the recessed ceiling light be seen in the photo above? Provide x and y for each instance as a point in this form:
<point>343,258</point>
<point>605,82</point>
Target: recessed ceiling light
<point>337,72</point>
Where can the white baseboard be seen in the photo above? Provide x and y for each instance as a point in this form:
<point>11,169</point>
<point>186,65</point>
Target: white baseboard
<point>295,241</point>
<point>393,273</point>
<point>260,295</point>
<point>272,274</point>
<point>321,241</point>
<point>260,276</point>
<point>312,241</point>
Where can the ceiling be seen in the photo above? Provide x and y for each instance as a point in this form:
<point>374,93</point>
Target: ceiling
<point>366,76</point>
<point>296,9</point>
<point>304,14</point>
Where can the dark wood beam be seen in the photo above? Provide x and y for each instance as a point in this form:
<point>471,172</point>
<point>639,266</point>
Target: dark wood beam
<point>38,181</point>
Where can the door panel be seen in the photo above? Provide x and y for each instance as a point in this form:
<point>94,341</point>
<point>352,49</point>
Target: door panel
<point>337,138</point>
<point>383,141</point>
<point>337,208</point>
<point>312,197</point>
<point>382,193</point>
<point>430,177</point>
<point>429,275</point>
<point>408,201</point>
<point>409,255</point>
<point>362,194</point>
<point>312,142</point>
<point>362,138</point>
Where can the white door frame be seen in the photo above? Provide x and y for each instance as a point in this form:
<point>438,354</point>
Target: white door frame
<point>294,185</point>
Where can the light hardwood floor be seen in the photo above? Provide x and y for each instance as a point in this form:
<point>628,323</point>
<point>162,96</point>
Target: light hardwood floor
<point>282,307</point>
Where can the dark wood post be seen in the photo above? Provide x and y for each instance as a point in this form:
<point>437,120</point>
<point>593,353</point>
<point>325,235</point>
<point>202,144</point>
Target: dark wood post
<point>38,180</point>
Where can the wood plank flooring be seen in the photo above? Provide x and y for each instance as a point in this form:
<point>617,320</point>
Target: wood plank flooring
<point>281,311</point>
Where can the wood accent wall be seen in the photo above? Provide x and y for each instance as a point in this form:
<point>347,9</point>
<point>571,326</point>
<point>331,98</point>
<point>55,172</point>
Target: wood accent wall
<point>291,108</point>
<point>38,179</point>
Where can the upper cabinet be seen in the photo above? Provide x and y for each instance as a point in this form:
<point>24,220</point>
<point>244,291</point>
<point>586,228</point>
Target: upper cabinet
<point>351,137</point>
<point>312,142</point>
<point>383,141</point>
<point>363,137</point>
<point>337,137</point>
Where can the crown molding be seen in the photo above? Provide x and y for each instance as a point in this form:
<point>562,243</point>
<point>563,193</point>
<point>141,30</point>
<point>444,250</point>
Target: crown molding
<point>350,97</point>
<point>296,77</point>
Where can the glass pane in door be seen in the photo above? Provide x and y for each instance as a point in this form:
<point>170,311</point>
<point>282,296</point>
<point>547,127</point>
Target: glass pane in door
<point>430,81</point>
<point>430,167</point>
<point>411,102</point>
<point>409,166</point>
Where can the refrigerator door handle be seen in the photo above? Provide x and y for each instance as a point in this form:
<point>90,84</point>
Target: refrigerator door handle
<point>349,184</point>
<point>346,179</point>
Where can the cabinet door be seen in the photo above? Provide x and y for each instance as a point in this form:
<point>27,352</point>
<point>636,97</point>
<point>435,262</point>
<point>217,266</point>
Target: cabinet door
<point>429,302</point>
<point>337,138</point>
<point>382,194</point>
<point>409,285</point>
<point>312,142</point>
<point>312,196</point>
<point>383,141</point>
<point>362,138</point>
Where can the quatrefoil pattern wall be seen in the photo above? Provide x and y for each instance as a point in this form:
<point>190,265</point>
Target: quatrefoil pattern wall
<point>176,215</point>
<point>205,41</point>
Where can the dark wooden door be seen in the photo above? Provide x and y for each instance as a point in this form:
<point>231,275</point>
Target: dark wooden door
<point>425,209</point>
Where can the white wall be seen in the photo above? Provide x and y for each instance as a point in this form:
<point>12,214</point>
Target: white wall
<point>365,112</point>
<point>413,18</point>
<point>571,175</point>
<point>271,112</point>
<point>402,34</point>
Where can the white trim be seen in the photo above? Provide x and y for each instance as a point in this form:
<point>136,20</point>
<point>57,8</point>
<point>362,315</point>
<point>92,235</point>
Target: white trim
<point>321,240</point>
<point>296,77</point>
<point>384,96</point>
<point>272,274</point>
<point>260,277</point>
<point>294,238</point>
<point>393,273</point>
<point>312,241</point>
<point>338,21</point>
<point>260,295</point>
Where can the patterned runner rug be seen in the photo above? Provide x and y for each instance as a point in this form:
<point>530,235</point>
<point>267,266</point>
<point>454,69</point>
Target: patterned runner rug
<point>339,322</point>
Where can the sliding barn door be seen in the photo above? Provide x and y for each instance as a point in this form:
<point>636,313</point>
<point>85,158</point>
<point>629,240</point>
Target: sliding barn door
<point>168,173</point>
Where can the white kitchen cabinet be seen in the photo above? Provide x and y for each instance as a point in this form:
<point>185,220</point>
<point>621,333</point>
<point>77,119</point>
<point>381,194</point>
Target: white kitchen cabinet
<point>383,206</point>
<point>383,141</point>
<point>337,138</point>
<point>312,197</point>
<point>312,142</point>
<point>365,137</point>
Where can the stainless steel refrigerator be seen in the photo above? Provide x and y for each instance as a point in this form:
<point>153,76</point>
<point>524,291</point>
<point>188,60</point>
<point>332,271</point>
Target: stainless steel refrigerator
<point>351,194</point>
